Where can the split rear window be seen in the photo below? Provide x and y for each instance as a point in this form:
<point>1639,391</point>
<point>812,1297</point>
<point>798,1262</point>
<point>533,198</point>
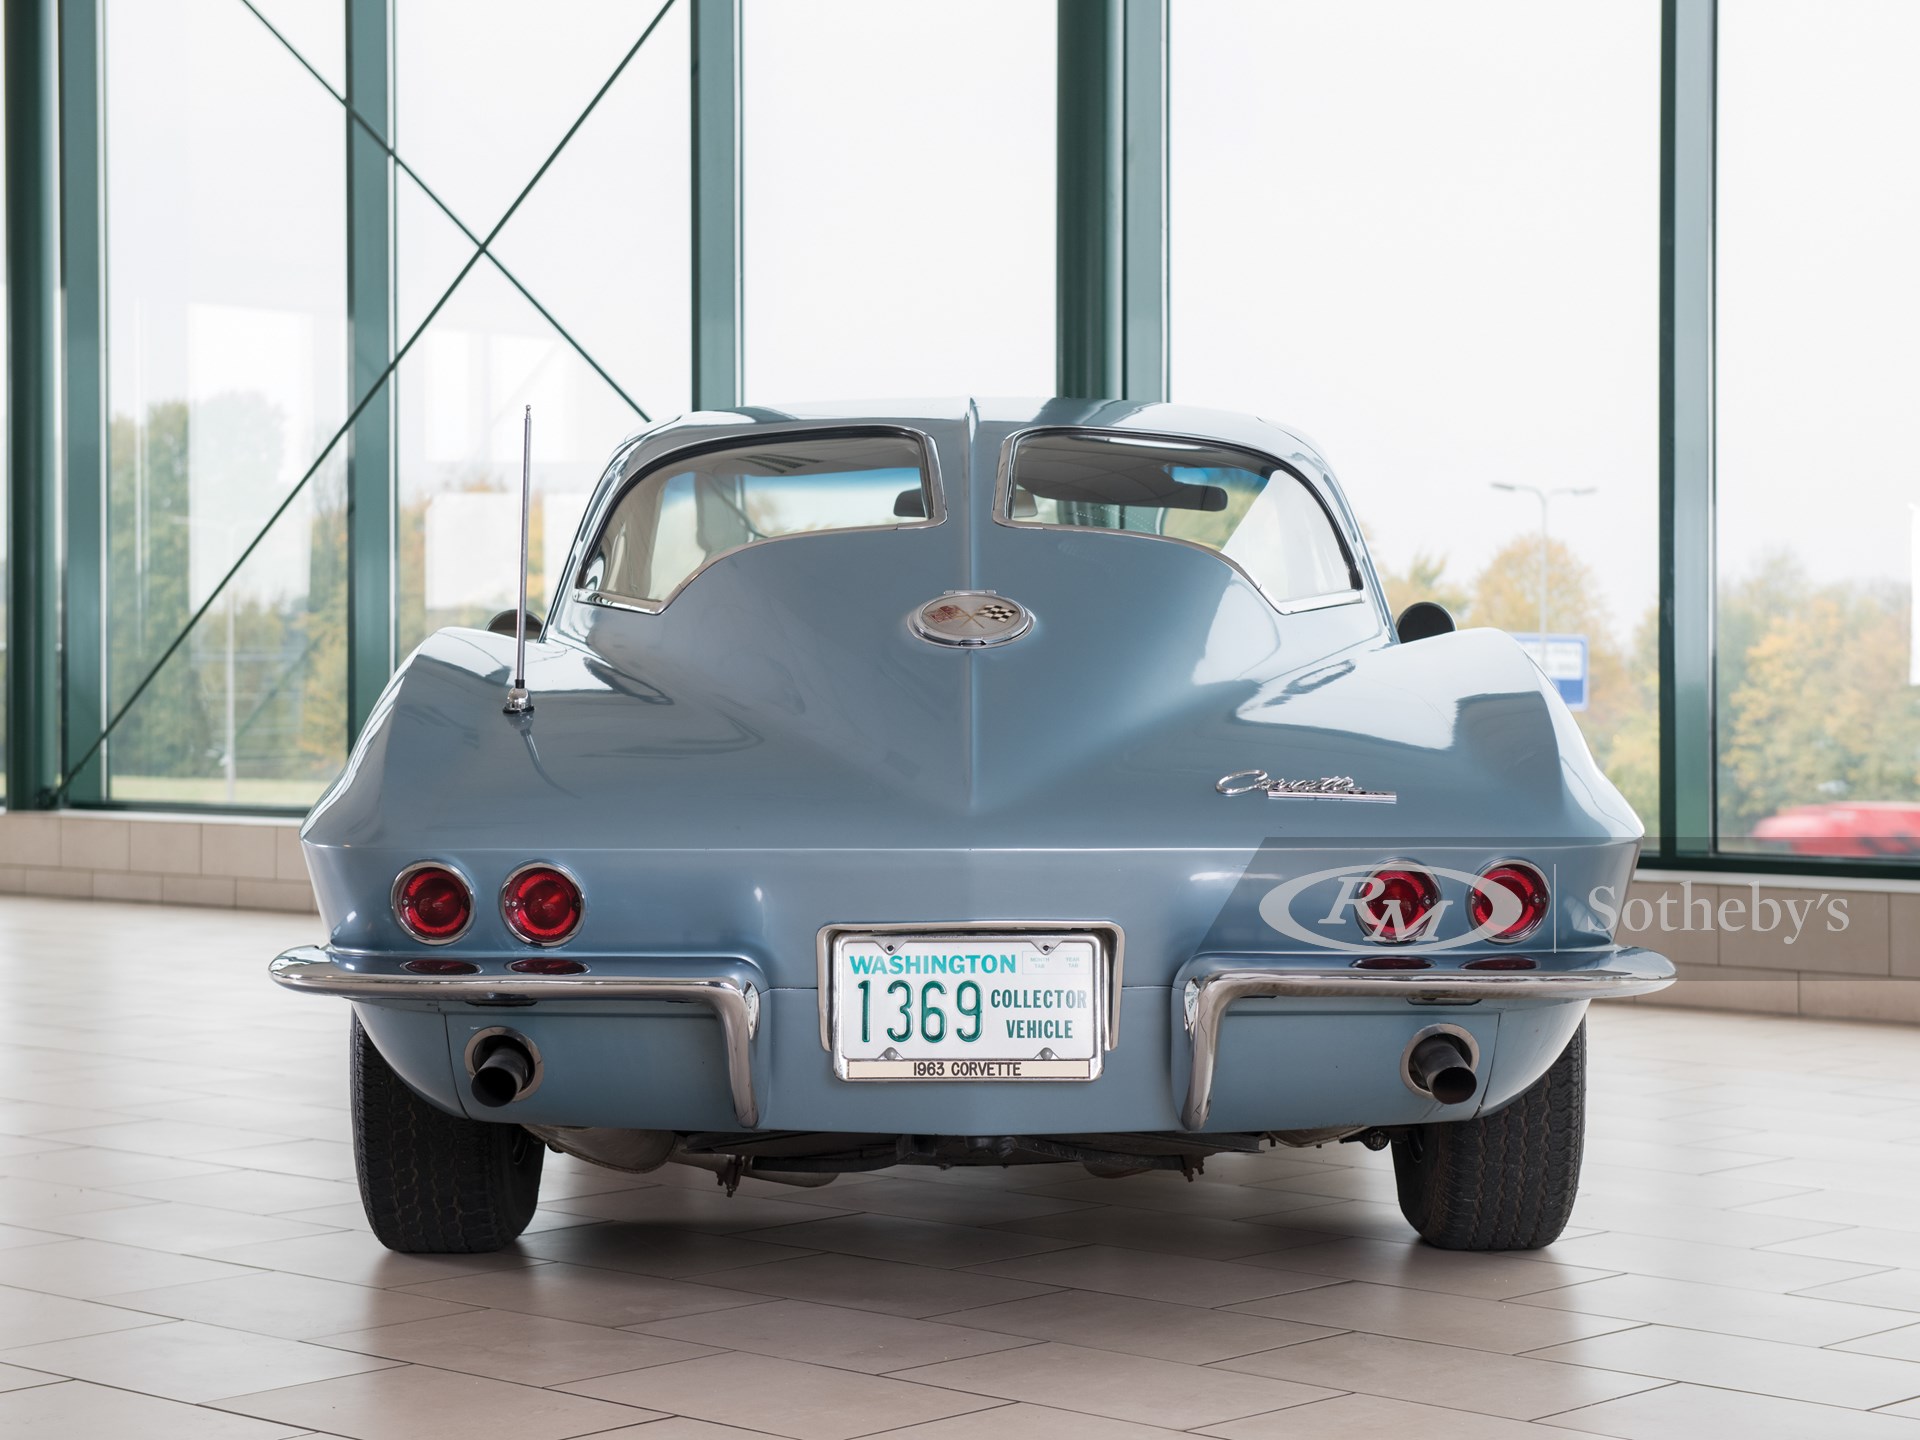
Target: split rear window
<point>687,511</point>
<point>1255,513</point>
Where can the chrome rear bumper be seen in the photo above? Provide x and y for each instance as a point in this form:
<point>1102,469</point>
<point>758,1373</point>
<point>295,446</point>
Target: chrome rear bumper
<point>1211,986</point>
<point>734,1001</point>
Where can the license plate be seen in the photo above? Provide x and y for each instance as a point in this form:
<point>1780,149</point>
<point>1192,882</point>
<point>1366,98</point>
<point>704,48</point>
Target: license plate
<point>967,1007</point>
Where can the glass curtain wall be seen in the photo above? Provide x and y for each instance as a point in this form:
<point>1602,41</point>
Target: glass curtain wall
<point>1818,496</point>
<point>582,311</point>
<point>898,198</point>
<point>225,224</point>
<point>1428,237</point>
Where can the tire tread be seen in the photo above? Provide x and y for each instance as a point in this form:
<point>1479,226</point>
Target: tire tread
<point>1504,1181</point>
<point>433,1183</point>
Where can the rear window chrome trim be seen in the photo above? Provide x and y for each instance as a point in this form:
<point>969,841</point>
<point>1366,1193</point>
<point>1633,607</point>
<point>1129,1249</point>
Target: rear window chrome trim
<point>1314,602</point>
<point>1003,508</point>
<point>602,599</point>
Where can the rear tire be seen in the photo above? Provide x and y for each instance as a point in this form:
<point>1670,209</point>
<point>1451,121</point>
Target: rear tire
<point>1504,1181</point>
<point>434,1183</point>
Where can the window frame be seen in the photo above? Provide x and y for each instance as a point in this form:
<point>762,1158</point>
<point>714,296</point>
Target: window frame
<point>602,513</point>
<point>1327,600</point>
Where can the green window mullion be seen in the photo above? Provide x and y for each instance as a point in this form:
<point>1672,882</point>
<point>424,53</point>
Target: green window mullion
<point>370,460</point>
<point>1687,758</point>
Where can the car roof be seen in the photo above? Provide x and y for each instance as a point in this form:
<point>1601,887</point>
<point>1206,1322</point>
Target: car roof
<point>1003,414</point>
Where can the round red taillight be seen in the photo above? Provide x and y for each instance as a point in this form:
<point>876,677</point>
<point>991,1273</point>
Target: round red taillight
<point>432,903</point>
<point>1528,889</point>
<point>541,905</point>
<point>1395,904</point>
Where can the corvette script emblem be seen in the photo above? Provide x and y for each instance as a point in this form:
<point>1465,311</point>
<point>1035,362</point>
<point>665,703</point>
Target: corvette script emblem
<point>971,618</point>
<point>1327,787</point>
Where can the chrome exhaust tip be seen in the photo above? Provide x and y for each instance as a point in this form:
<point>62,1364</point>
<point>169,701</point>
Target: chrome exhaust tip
<point>502,1067</point>
<point>1441,1064</point>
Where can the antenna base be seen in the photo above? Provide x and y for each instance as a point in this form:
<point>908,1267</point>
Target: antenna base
<point>518,701</point>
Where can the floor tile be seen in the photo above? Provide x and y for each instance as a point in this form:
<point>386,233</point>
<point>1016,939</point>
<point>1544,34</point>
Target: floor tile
<point>670,1251</point>
<point>1764,1367</point>
<point>1027,1422</point>
<point>1453,1272</point>
<point>833,1335</point>
<point>25,1117</point>
<point>882,1285</point>
<point>783,1397</point>
<point>1428,1315</point>
<point>103,1169</point>
<point>1122,1387</point>
<point>75,1410</point>
<point>1687,1412</point>
<point>257,1192</point>
<point>1171,1193</point>
<point>1890,1289</point>
<point>29,1317</point>
<point>1152,1276</point>
<point>163,1137</point>
<point>320,1159</point>
<point>1899,1249</point>
<point>1791,1319</point>
<point>182,1360</point>
<point>1169,1232</point>
<point>917,1242</point>
<point>1845,1207</point>
<point>1901,1344</point>
<point>13,1237</point>
<point>1444,1375</point>
<point>1372,1417</point>
<point>1153,1328</point>
<point>576,1292</point>
<point>679,1427</point>
<point>1707,1264</point>
<point>412,1402</point>
<point>1697,1224</point>
<point>710,1210</point>
<point>526,1349</point>
<point>88,1269</point>
<point>15,1377</point>
<point>24,1201</point>
<point>184,1229</point>
<point>950,1205</point>
<point>292,1307</point>
<point>357,1258</point>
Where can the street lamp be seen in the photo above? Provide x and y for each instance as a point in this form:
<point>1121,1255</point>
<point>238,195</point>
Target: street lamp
<point>1545,497</point>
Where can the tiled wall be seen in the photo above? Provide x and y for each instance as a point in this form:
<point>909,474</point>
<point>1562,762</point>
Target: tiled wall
<point>1868,969</point>
<point>163,859</point>
<point>1865,969</point>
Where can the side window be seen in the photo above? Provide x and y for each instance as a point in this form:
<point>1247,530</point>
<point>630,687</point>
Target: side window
<point>675,518</point>
<point>1252,511</point>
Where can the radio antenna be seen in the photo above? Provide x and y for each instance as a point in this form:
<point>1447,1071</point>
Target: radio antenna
<point>518,701</point>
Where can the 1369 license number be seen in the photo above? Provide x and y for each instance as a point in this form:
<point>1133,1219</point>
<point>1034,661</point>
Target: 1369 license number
<point>903,1015</point>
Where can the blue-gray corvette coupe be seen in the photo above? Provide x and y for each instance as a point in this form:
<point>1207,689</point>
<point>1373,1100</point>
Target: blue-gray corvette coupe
<point>968,784</point>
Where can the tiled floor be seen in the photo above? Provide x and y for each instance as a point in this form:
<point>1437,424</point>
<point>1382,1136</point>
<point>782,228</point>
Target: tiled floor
<point>182,1255</point>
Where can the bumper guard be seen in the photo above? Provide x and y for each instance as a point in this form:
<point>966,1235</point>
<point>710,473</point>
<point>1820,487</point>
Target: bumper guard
<point>1209,992</point>
<point>734,1002</point>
